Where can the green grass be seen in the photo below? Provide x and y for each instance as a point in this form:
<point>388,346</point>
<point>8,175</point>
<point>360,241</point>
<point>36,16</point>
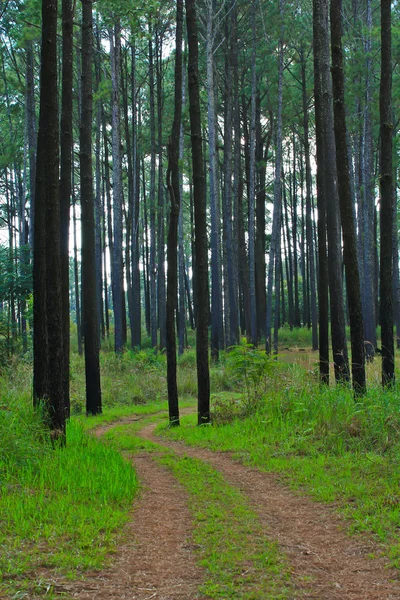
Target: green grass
<point>59,508</point>
<point>62,508</point>
<point>240,561</point>
<point>322,442</point>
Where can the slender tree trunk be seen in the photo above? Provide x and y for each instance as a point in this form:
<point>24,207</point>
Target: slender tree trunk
<point>368,200</point>
<point>181,251</point>
<point>386,192</point>
<point>76,278</point>
<point>289,255</point>
<point>396,282</point>
<point>346,204</point>
<point>231,300</point>
<point>297,319</point>
<point>216,304</point>
<point>237,181</point>
<point>203,375</point>
<point>65,179</point>
<point>152,199</point>
<point>323,95</point>
<point>161,201</point>
<point>276,222</point>
<point>136,335</point>
<point>174,193</point>
<point>252,182</point>
<point>99,195</point>
<point>90,317</point>
<point>323,284</point>
<point>117,271</point>
<point>309,226</point>
<point>32,138</point>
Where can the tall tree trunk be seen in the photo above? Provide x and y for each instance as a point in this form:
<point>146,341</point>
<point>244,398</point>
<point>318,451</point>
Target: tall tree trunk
<point>117,271</point>
<point>76,275</point>
<point>136,335</point>
<point>396,281</point>
<point>174,193</point>
<point>48,362</point>
<point>237,181</point>
<point>129,216</point>
<point>346,204</point>
<point>368,200</point>
<point>323,93</point>
<point>260,241</point>
<point>203,375</point>
<point>216,303</point>
<point>98,224</point>
<point>65,179</point>
<point>32,137</point>
<point>161,208</point>
<point>276,221</point>
<point>289,255</point>
<point>231,325</point>
<point>152,199</point>
<point>297,319</point>
<point>323,282</point>
<point>386,191</point>
<point>252,182</point>
<point>309,226</point>
<point>181,250</point>
<point>90,317</point>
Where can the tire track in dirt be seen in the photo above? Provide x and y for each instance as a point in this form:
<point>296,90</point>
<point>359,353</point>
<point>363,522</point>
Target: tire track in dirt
<point>157,557</point>
<point>325,563</point>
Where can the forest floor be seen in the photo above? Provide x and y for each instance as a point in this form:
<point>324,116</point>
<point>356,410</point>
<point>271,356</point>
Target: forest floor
<point>161,557</point>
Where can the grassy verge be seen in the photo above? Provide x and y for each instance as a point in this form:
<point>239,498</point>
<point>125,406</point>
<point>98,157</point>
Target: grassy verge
<point>59,509</point>
<point>240,561</point>
<point>320,441</point>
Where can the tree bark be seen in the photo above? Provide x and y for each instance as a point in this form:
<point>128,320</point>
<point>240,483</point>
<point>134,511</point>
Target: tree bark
<point>65,179</point>
<point>323,96</point>
<point>90,316</point>
<point>276,221</point>
<point>48,364</point>
<point>203,375</point>
<point>386,192</point>
<point>174,194</point>
<point>117,270</point>
<point>252,183</point>
<point>346,204</point>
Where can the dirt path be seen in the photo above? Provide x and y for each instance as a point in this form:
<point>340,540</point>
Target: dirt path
<point>157,560</point>
<point>326,564</point>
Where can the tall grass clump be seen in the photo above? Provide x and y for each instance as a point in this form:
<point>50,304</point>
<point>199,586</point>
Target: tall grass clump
<point>59,507</point>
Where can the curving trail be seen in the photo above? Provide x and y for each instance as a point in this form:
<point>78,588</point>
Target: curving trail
<point>157,558</point>
<point>326,564</point>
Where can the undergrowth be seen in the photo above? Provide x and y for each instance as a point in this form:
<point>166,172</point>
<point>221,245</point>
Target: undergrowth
<point>59,508</point>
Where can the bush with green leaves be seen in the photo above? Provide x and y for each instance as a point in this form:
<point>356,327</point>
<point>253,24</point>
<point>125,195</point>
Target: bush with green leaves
<point>251,369</point>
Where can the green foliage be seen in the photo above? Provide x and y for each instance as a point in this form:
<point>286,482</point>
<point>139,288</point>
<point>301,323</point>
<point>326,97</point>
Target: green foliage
<point>15,274</point>
<point>251,369</point>
<point>59,508</point>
